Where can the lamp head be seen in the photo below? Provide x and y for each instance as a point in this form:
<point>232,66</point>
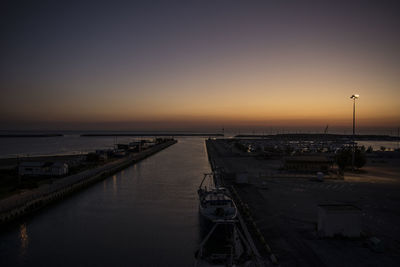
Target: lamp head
<point>354,96</point>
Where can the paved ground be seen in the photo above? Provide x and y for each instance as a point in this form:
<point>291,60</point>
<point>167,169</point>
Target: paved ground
<point>285,209</point>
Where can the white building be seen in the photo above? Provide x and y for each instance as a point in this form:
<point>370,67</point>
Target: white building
<point>339,219</point>
<point>32,168</point>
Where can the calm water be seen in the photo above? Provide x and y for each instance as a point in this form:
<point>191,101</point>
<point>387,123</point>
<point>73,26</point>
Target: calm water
<point>145,215</point>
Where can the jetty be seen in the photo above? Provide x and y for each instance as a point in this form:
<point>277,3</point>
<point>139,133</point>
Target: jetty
<point>175,134</point>
<point>29,135</point>
<point>296,219</point>
<point>27,202</point>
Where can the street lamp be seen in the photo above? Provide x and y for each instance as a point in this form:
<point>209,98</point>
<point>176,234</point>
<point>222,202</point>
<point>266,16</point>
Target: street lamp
<point>354,97</point>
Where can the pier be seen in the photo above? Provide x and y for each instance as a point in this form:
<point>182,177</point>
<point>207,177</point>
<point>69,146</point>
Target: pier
<point>27,202</point>
<point>29,135</point>
<point>281,211</point>
<point>155,134</point>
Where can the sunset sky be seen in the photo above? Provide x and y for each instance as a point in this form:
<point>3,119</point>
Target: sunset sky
<point>198,65</point>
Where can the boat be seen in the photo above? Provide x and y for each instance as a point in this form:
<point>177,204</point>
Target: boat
<point>215,203</point>
<point>224,244</point>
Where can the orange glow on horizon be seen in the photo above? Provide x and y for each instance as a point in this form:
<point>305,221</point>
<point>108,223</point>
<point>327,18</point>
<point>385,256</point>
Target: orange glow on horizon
<point>242,91</point>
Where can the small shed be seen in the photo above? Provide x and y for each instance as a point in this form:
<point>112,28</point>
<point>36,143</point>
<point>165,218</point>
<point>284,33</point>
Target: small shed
<point>58,169</point>
<point>30,168</point>
<point>34,168</point>
<point>339,220</point>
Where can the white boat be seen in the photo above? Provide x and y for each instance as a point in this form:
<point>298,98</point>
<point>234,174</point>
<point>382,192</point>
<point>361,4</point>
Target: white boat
<point>215,204</point>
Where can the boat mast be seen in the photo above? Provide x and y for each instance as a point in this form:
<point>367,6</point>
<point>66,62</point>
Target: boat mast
<point>205,176</point>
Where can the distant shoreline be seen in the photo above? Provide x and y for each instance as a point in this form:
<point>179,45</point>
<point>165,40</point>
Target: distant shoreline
<point>325,137</point>
<point>152,134</point>
<point>292,136</point>
<point>30,135</point>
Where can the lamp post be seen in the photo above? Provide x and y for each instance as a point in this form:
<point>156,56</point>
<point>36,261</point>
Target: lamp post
<point>354,97</point>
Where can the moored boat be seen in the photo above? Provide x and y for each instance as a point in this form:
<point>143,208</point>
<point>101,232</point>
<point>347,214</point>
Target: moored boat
<point>215,203</point>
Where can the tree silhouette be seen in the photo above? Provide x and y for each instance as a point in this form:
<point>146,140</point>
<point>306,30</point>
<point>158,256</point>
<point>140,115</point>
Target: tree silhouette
<point>343,158</point>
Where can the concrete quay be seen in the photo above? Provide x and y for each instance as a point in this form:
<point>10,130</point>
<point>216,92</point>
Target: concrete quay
<point>282,212</point>
<point>27,202</point>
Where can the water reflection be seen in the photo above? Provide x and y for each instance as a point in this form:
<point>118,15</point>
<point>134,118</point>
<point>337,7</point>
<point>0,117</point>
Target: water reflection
<point>114,184</point>
<point>23,236</point>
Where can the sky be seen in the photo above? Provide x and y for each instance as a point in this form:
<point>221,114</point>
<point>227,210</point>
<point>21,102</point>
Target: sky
<point>190,65</point>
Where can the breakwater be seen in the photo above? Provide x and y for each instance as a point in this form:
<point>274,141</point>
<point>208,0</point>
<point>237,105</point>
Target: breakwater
<point>29,135</point>
<point>27,202</point>
<point>151,134</point>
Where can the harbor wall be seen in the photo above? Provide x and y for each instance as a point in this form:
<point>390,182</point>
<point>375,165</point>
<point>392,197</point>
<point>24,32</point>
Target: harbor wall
<point>27,202</point>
